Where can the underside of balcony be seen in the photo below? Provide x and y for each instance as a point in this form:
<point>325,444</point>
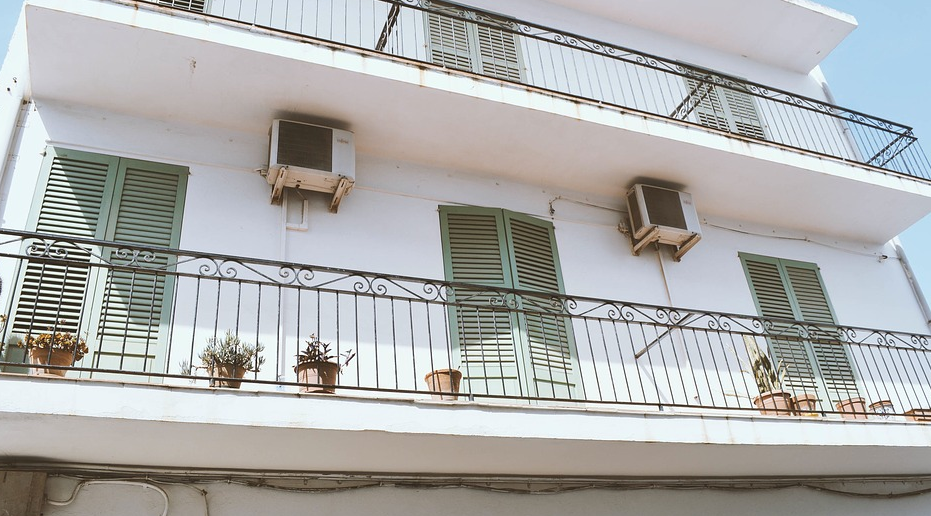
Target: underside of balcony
<point>277,432</point>
<point>175,65</point>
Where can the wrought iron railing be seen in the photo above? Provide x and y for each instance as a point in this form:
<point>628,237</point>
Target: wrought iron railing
<point>468,40</point>
<point>147,321</point>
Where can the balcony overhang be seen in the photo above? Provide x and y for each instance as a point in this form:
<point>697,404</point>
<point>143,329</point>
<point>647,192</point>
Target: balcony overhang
<point>792,34</point>
<point>117,424</point>
<point>170,65</point>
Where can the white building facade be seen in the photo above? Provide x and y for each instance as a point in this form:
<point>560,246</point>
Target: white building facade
<point>448,187</point>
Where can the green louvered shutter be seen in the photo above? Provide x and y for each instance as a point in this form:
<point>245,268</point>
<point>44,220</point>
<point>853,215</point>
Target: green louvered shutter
<point>498,53</point>
<point>785,342</point>
<point>545,333</point>
<point>73,203</point>
<point>830,353</point>
<point>507,344</point>
<point>742,113</point>
<point>190,5</point>
<point>450,42</point>
<point>465,45</point>
<point>709,110</point>
<point>725,109</point>
<point>133,308</point>
<point>816,360</point>
<point>476,252</point>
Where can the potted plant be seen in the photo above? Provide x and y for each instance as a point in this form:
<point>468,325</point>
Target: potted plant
<point>231,358</point>
<point>55,348</point>
<point>772,399</point>
<point>315,365</point>
<point>444,381</point>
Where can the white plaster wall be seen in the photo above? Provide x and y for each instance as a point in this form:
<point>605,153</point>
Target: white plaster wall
<point>235,500</point>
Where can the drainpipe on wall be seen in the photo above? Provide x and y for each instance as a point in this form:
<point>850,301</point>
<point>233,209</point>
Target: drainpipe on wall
<point>845,129</point>
<point>916,288</point>
<point>14,78</point>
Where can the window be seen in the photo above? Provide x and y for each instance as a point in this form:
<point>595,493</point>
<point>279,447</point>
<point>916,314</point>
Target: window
<point>726,108</point>
<point>465,45</point>
<point>508,344</point>
<point>814,357</point>
<point>94,196</point>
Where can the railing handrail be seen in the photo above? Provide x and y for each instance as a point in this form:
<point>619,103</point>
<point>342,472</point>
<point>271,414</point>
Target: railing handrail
<point>662,315</point>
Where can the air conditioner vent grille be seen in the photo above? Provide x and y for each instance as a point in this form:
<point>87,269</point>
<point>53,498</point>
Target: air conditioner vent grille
<point>307,146</point>
<point>664,207</point>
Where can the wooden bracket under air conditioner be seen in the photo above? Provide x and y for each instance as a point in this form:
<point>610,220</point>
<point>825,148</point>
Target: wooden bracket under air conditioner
<point>343,187</point>
<point>654,236</point>
<point>278,186</point>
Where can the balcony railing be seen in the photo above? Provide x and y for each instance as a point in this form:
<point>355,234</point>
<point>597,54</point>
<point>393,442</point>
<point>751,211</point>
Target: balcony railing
<point>471,41</point>
<point>147,314</point>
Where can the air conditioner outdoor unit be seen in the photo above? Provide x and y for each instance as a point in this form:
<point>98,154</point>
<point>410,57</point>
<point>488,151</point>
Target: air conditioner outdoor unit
<point>311,157</point>
<point>662,216</point>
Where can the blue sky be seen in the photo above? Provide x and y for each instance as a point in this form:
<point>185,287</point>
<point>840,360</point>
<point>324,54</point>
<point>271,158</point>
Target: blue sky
<point>880,69</point>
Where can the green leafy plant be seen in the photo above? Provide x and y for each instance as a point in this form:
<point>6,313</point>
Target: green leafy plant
<point>317,351</point>
<point>233,351</point>
<point>768,377</point>
<point>57,341</point>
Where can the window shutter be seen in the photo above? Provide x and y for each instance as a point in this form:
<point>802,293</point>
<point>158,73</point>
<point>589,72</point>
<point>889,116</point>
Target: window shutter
<point>147,211</point>
<point>785,342</point>
<point>742,113</point>
<point>545,332</point>
<point>498,53</point>
<point>508,345</point>
<point>191,5</point>
<point>465,45</point>
<point>476,253</point>
<point>830,353</point>
<point>450,44</point>
<point>725,109</point>
<point>708,108</point>
<point>794,290</point>
<point>73,204</point>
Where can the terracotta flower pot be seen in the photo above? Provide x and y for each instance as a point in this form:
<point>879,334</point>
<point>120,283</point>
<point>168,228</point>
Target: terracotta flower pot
<point>775,403</point>
<point>233,372</point>
<point>848,407</point>
<point>918,414</point>
<point>445,381</point>
<point>323,373</point>
<point>806,405</point>
<point>59,357</point>
<point>884,409</point>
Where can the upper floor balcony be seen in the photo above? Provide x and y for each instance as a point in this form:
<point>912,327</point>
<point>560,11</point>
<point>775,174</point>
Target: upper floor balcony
<point>433,82</point>
<point>544,376</point>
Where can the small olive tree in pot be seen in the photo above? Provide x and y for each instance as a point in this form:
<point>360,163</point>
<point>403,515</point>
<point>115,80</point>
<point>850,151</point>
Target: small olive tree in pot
<point>231,358</point>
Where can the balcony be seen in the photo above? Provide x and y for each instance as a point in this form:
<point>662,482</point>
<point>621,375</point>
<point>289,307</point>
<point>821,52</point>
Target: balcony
<point>685,374</point>
<point>469,41</point>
